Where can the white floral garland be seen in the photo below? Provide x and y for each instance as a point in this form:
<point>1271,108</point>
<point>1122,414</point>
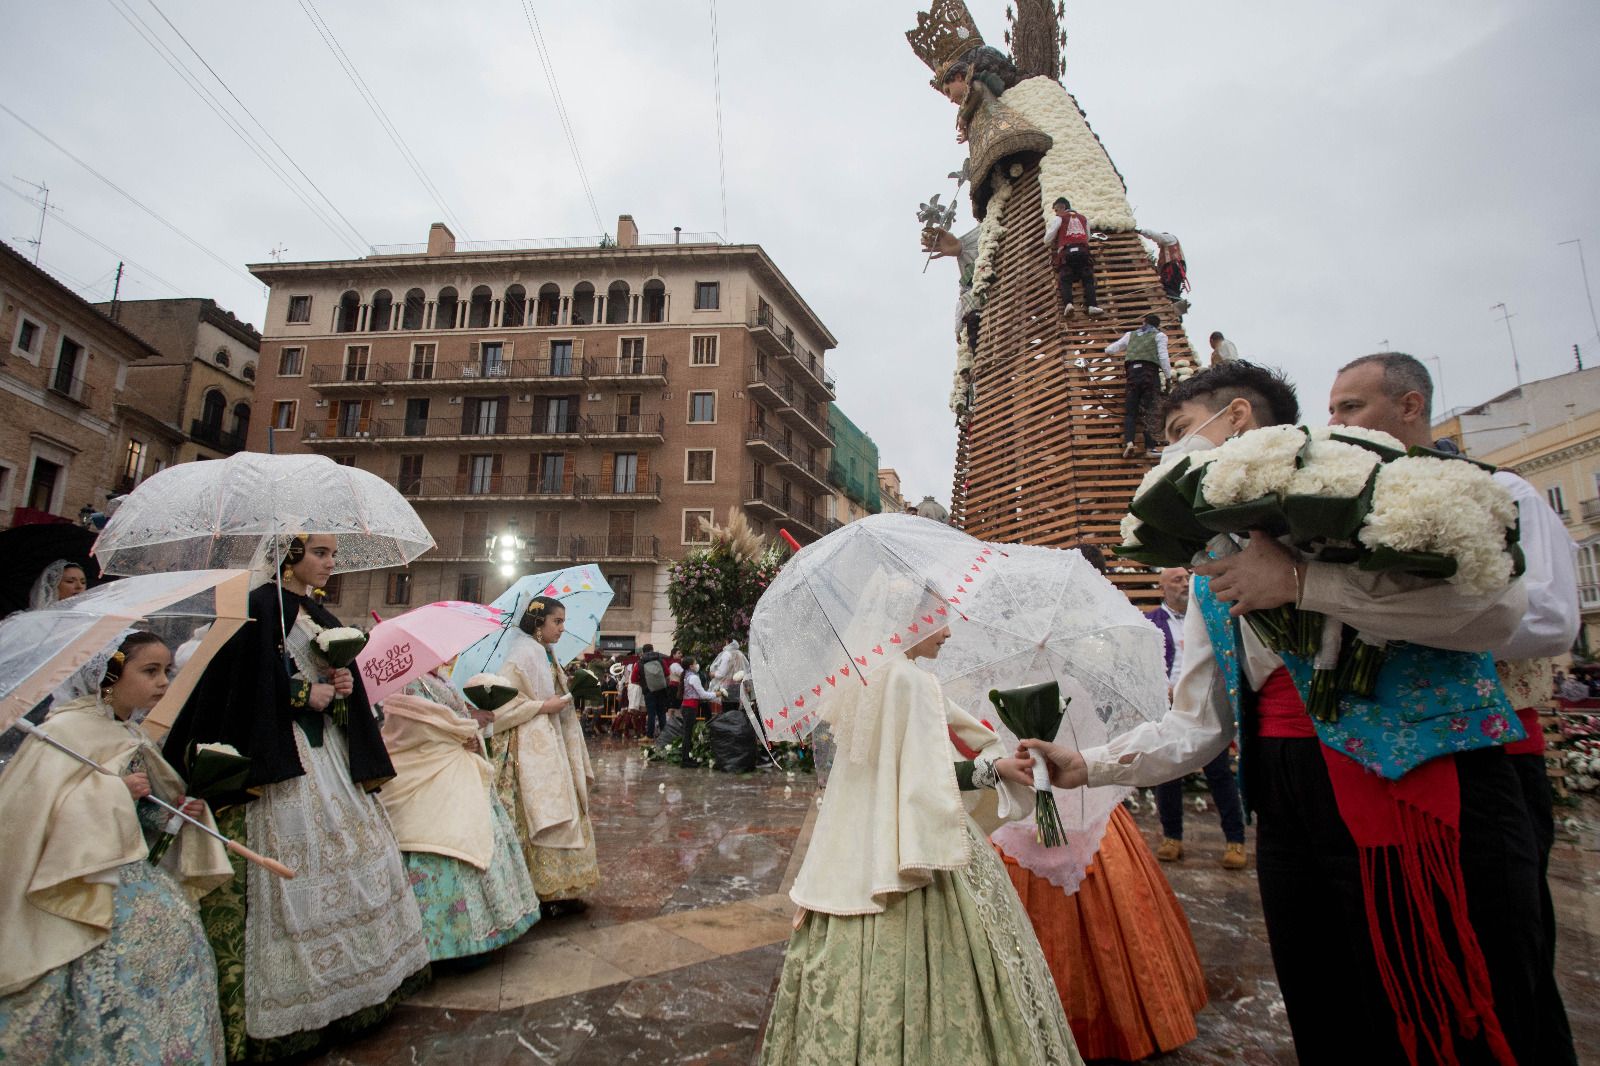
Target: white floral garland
<point>984,271</point>
<point>1076,166</point>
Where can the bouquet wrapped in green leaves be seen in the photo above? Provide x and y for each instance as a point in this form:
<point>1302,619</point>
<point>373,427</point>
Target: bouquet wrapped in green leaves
<point>1035,713</point>
<point>1338,494</point>
<point>583,685</point>
<point>489,692</point>
<point>339,646</point>
<point>216,772</point>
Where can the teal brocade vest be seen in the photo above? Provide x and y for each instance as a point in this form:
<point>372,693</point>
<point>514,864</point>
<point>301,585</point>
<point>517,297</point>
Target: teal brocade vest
<point>1427,702</point>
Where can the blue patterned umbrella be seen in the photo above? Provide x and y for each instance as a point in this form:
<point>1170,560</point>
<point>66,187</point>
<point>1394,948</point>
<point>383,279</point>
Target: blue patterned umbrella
<point>584,592</point>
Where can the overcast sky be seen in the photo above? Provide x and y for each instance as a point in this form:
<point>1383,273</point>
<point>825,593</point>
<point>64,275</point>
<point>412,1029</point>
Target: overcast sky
<point>1344,176</point>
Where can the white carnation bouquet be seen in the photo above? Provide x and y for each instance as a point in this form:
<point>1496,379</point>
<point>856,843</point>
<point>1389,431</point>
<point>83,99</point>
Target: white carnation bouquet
<point>1338,494</point>
<point>339,646</point>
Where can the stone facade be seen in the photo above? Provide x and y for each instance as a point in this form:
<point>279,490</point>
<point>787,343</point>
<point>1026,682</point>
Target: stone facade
<point>63,365</point>
<point>603,399</point>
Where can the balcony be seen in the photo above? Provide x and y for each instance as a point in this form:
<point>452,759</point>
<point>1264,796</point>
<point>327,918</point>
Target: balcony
<point>650,428</point>
<point>318,432</point>
<point>476,375</point>
<point>625,371</point>
<point>764,500</point>
<point>615,549</point>
<point>1590,510</point>
<point>770,388</point>
<point>811,469</point>
<point>350,380</point>
<point>527,488</point>
<point>812,420</point>
<point>212,436</point>
<point>779,339</point>
<point>621,489</point>
<point>71,387</point>
<point>766,442</point>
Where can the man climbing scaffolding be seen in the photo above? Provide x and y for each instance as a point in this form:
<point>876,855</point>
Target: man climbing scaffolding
<point>1067,237</point>
<point>1147,368</point>
<point>1171,266</point>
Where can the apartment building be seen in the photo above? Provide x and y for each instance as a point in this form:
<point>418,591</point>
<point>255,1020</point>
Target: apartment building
<point>63,365</point>
<point>199,391</point>
<point>852,471</point>
<point>592,401</point>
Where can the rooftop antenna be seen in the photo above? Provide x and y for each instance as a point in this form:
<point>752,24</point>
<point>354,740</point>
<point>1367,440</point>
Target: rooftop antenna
<point>277,253</point>
<point>1515,363</point>
<point>44,209</point>
<point>1587,292</point>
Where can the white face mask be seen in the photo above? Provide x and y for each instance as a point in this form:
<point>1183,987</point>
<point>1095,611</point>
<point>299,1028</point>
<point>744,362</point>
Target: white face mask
<point>1191,441</point>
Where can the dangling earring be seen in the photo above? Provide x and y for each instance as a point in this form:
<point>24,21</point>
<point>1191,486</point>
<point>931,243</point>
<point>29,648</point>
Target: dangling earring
<point>105,693</point>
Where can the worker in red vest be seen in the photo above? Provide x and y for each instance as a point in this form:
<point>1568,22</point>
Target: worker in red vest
<point>1170,265</point>
<point>1067,237</point>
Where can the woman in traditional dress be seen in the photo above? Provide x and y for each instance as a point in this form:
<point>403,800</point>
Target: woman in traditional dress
<point>332,949</point>
<point>460,846</point>
<point>910,946</point>
<point>105,960</point>
<point>61,580</point>
<point>542,766</point>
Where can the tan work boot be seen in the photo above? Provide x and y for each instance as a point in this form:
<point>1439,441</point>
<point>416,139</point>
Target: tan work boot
<point>1233,857</point>
<point>1170,850</point>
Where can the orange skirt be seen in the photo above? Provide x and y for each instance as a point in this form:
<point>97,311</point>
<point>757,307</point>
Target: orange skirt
<point>1119,949</point>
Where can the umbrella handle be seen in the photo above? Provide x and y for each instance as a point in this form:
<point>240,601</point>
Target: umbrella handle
<point>260,860</point>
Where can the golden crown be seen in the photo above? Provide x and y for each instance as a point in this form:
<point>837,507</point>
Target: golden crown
<point>943,35</point>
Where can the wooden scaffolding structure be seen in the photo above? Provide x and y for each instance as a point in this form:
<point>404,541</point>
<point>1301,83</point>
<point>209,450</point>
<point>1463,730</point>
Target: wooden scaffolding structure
<point>1039,459</point>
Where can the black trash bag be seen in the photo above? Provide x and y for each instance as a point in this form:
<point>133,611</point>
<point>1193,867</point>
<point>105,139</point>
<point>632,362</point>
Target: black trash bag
<point>734,744</point>
<point>671,730</point>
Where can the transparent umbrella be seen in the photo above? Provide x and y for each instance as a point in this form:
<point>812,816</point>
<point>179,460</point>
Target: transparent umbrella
<point>40,650</point>
<point>230,513</point>
<point>842,606</point>
<point>1045,614</point>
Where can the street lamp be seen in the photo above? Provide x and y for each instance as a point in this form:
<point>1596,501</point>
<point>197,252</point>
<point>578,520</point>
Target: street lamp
<point>507,547</point>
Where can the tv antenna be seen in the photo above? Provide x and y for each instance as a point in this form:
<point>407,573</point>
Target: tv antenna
<point>44,210</point>
<point>277,253</point>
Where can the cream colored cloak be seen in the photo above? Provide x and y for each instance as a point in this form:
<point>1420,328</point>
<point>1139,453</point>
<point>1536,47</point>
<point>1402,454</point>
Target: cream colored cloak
<point>554,773</point>
<point>439,798</point>
<point>64,831</point>
<point>893,813</point>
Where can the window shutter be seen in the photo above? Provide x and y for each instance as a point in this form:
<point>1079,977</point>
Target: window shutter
<point>644,471</point>
<point>496,468</point>
<point>577,356</point>
<point>608,471</point>
<point>463,470</point>
<point>469,414</point>
<point>502,405</point>
<point>366,416</point>
<point>333,419</point>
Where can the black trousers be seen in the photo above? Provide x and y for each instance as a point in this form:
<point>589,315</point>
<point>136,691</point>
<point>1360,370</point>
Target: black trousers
<point>655,711</point>
<point>1555,1033</point>
<point>1312,899</point>
<point>1076,267</point>
<point>1144,391</point>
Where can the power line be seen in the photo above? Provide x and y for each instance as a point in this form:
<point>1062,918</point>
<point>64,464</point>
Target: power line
<point>543,51</point>
<point>262,127</point>
<point>125,194</point>
<point>716,81</point>
<point>371,100</point>
<point>192,81</point>
<point>151,274</point>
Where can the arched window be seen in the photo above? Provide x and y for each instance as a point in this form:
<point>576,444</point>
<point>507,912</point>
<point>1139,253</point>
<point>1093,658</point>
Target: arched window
<point>617,303</point>
<point>211,408</point>
<point>653,308</point>
<point>248,371</point>
<point>444,317</point>
<point>241,421</point>
<point>222,358</point>
<point>349,312</point>
<point>583,304</point>
<point>416,305</point>
<point>548,311</point>
<point>515,308</point>
<point>478,310</point>
<point>382,311</point>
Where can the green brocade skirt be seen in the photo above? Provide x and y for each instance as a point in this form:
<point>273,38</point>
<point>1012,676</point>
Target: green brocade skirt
<point>948,975</point>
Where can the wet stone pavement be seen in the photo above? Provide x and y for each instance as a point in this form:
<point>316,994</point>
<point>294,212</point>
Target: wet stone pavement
<point>676,958</point>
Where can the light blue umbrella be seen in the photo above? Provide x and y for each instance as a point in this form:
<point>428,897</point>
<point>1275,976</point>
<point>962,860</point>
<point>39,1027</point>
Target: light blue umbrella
<point>584,592</point>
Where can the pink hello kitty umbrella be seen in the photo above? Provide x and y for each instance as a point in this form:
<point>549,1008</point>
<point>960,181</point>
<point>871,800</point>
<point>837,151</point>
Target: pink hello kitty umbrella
<point>410,645</point>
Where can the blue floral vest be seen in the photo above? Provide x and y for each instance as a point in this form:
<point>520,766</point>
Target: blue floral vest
<point>1427,702</point>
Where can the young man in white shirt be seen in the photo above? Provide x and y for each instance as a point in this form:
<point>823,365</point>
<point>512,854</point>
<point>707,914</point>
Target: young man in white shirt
<point>1222,349</point>
<point>1355,989</point>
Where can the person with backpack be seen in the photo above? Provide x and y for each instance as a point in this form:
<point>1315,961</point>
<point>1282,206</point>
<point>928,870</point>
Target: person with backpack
<point>650,674</point>
<point>1067,237</point>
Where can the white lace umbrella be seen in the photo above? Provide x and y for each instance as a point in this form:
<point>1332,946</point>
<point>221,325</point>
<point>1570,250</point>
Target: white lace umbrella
<point>844,605</point>
<point>40,650</point>
<point>227,513</point>
<point>1045,614</point>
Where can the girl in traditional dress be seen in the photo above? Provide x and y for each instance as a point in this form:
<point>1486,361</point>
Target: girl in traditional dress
<point>332,949</point>
<point>105,960</point>
<point>543,773</point>
<point>910,946</point>
<point>460,845</point>
<point>61,580</point>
